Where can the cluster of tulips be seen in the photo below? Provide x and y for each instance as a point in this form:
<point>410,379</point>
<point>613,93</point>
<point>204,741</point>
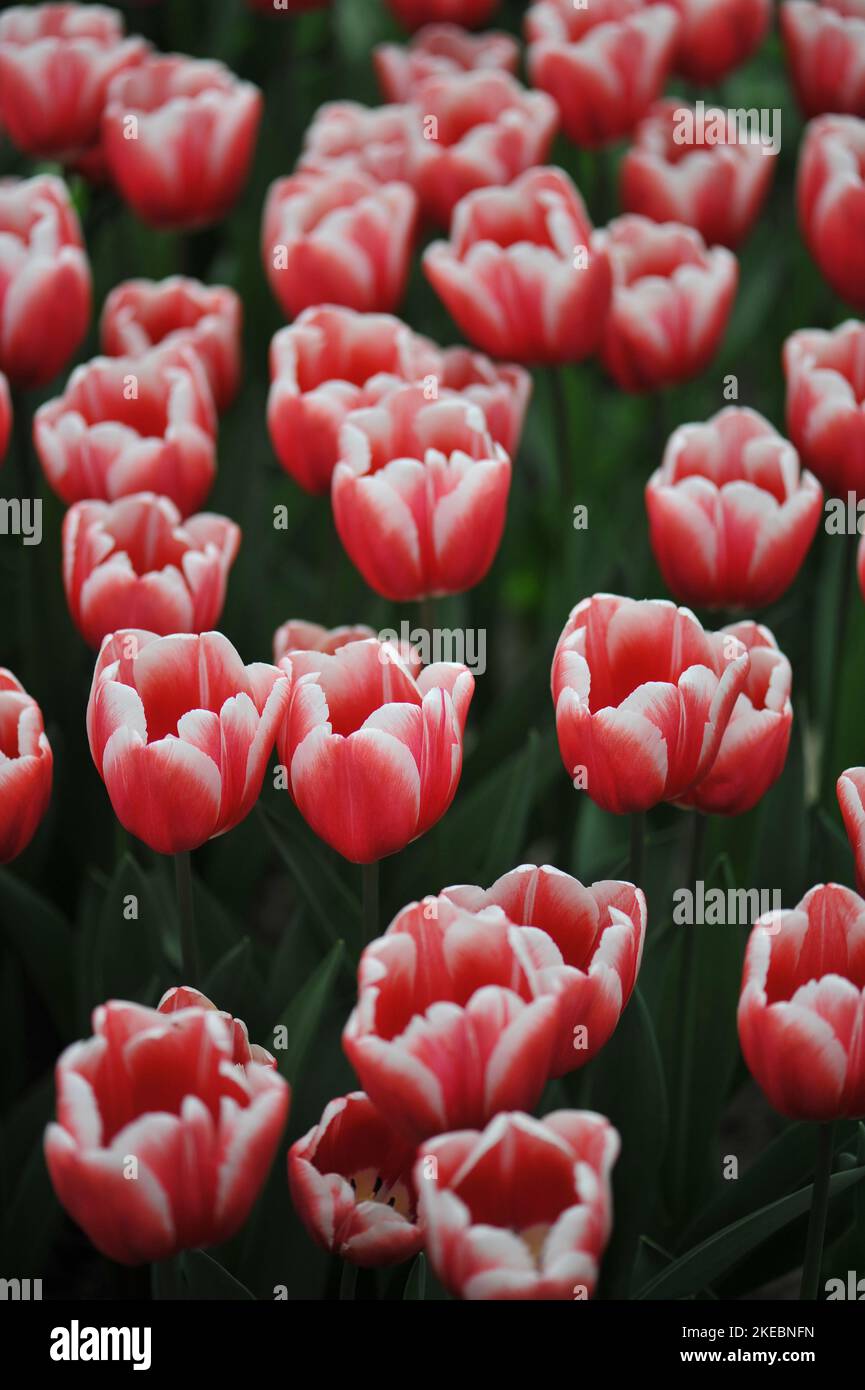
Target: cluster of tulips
<point>471,1000</point>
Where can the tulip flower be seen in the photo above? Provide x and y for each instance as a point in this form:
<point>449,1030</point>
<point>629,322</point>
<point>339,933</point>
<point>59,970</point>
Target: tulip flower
<point>299,636</point>
<point>522,1210</point>
<point>56,62</point>
<point>135,563</point>
<point>825,374</point>
<point>338,239</point>
<point>716,36</point>
<point>183,997</point>
<point>472,14</point>
<point>420,494</point>
<point>345,137</point>
<point>26,767</point>
<point>179,135</point>
<point>597,934</point>
<point>5,416</point>
<point>802,1006</point>
<point>731,514</point>
<point>163,1138</point>
<point>44,264</point>
<point>604,63</point>
<point>716,188</point>
<point>643,696</point>
<point>448,1029</point>
<point>131,424</point>
<point>439,49</point>
<point>475,130</point>
<point>521,274</point>
<point>373,754</point>
<point>352,1185</point>
<point>180,732</point>
<point>143,314</point>
<point>830,195</point>
<point>851,799</point>
<point>754,747</point>
<point>825,46</point>
<point>502,390</point>
<point>328,363</point>
<point>671,301</point>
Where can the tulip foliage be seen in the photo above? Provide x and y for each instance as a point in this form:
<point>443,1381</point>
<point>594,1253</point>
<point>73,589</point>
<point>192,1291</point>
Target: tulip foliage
<point>432,560</point>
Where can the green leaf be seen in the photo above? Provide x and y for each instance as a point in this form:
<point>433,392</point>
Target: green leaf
<point>207,1279</point>
<point>127,952</point>
<point>509,830</point>
<point>415,1285</point>
<point>302,1017</point>
<point>315,879</point>
<point>42,939</point>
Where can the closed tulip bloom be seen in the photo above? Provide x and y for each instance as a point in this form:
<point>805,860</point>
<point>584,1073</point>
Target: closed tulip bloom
<point>5,416</point>
<point>439,49</point>
<point>180,732</point>
<point>604,63</point>
<point>338,239</point>
<point>825,46</point>
<point>420,494</point>
<point>166,1090</point>
<point>502,390</point>
<point>851,799</point>
<point>643,696</point>
<point>755,743</point>
<point>716,36</point>
<point>185,997</point>
<point>332,361</point>
<point>472,14</point>
<point>56,62</point>
<point>802,1006</point>
<point>373,752</point>
<point>830,194</point>
<point>43,265</point>
<point>352,1185</point>
<point>448,1029</point>
<point>510,274</point>
<point>825,374</point>
<point>597,934</point>
<point>485,130</point>
<point>718,189</point>
<point>349,138</point>
<point>177,312</point>
<point>135,563</point>
<point>731,514</point>
<point>26,767</point>
<point>131,424</point>
<point>297,635</point>
<point>521,1211</point>
<point>179,135</point>
<point>671,301</point>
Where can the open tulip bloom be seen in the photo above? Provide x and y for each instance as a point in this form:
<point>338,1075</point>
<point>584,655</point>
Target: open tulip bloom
<point>830,195</point>
<point>825,45</point>
<point>825,374</point>
<point>440,49</point>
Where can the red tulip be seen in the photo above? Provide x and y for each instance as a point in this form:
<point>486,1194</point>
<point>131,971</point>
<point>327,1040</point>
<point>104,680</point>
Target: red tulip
<point>825,46</point>
<point>597,936</point>
<point>754,747</point>
<point>716,36</point>
<point>522,1210</point>
<point>851,799</point>
<point>26,767</point>
<point>802,1006</point>
<point>352,1185</point>
<point>142,314</point>
<point>338,239</point>
<point>671,301</point>
<point>420,494</point>
<point>331,361</point>
<point>135,563</point>
<point>345,137</point>
<point>299,636</point>
<point>131,424</point>
<point>5,416</point>
<point>179,135</point>
<point>642,696</point>
<point>160,1098</point>
<point>604,62</point>
<point>436,50</point>
<point>825,374</point>
<point>731,515</point>
<point>502,391</point>
<point>510,275</point>
<point>470,13</point>
<point>180,732</point>
<point>185,997</point>
<point>373,753</point>
<point>43,264</point>
<point>56,62</point>
<point>476,130</point>
<point>830,194</point>
<point>718,189</point>
<point>447,1029</point>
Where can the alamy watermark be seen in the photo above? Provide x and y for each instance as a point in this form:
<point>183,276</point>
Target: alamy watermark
<point>465,645</point>
<point>712,125</point>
